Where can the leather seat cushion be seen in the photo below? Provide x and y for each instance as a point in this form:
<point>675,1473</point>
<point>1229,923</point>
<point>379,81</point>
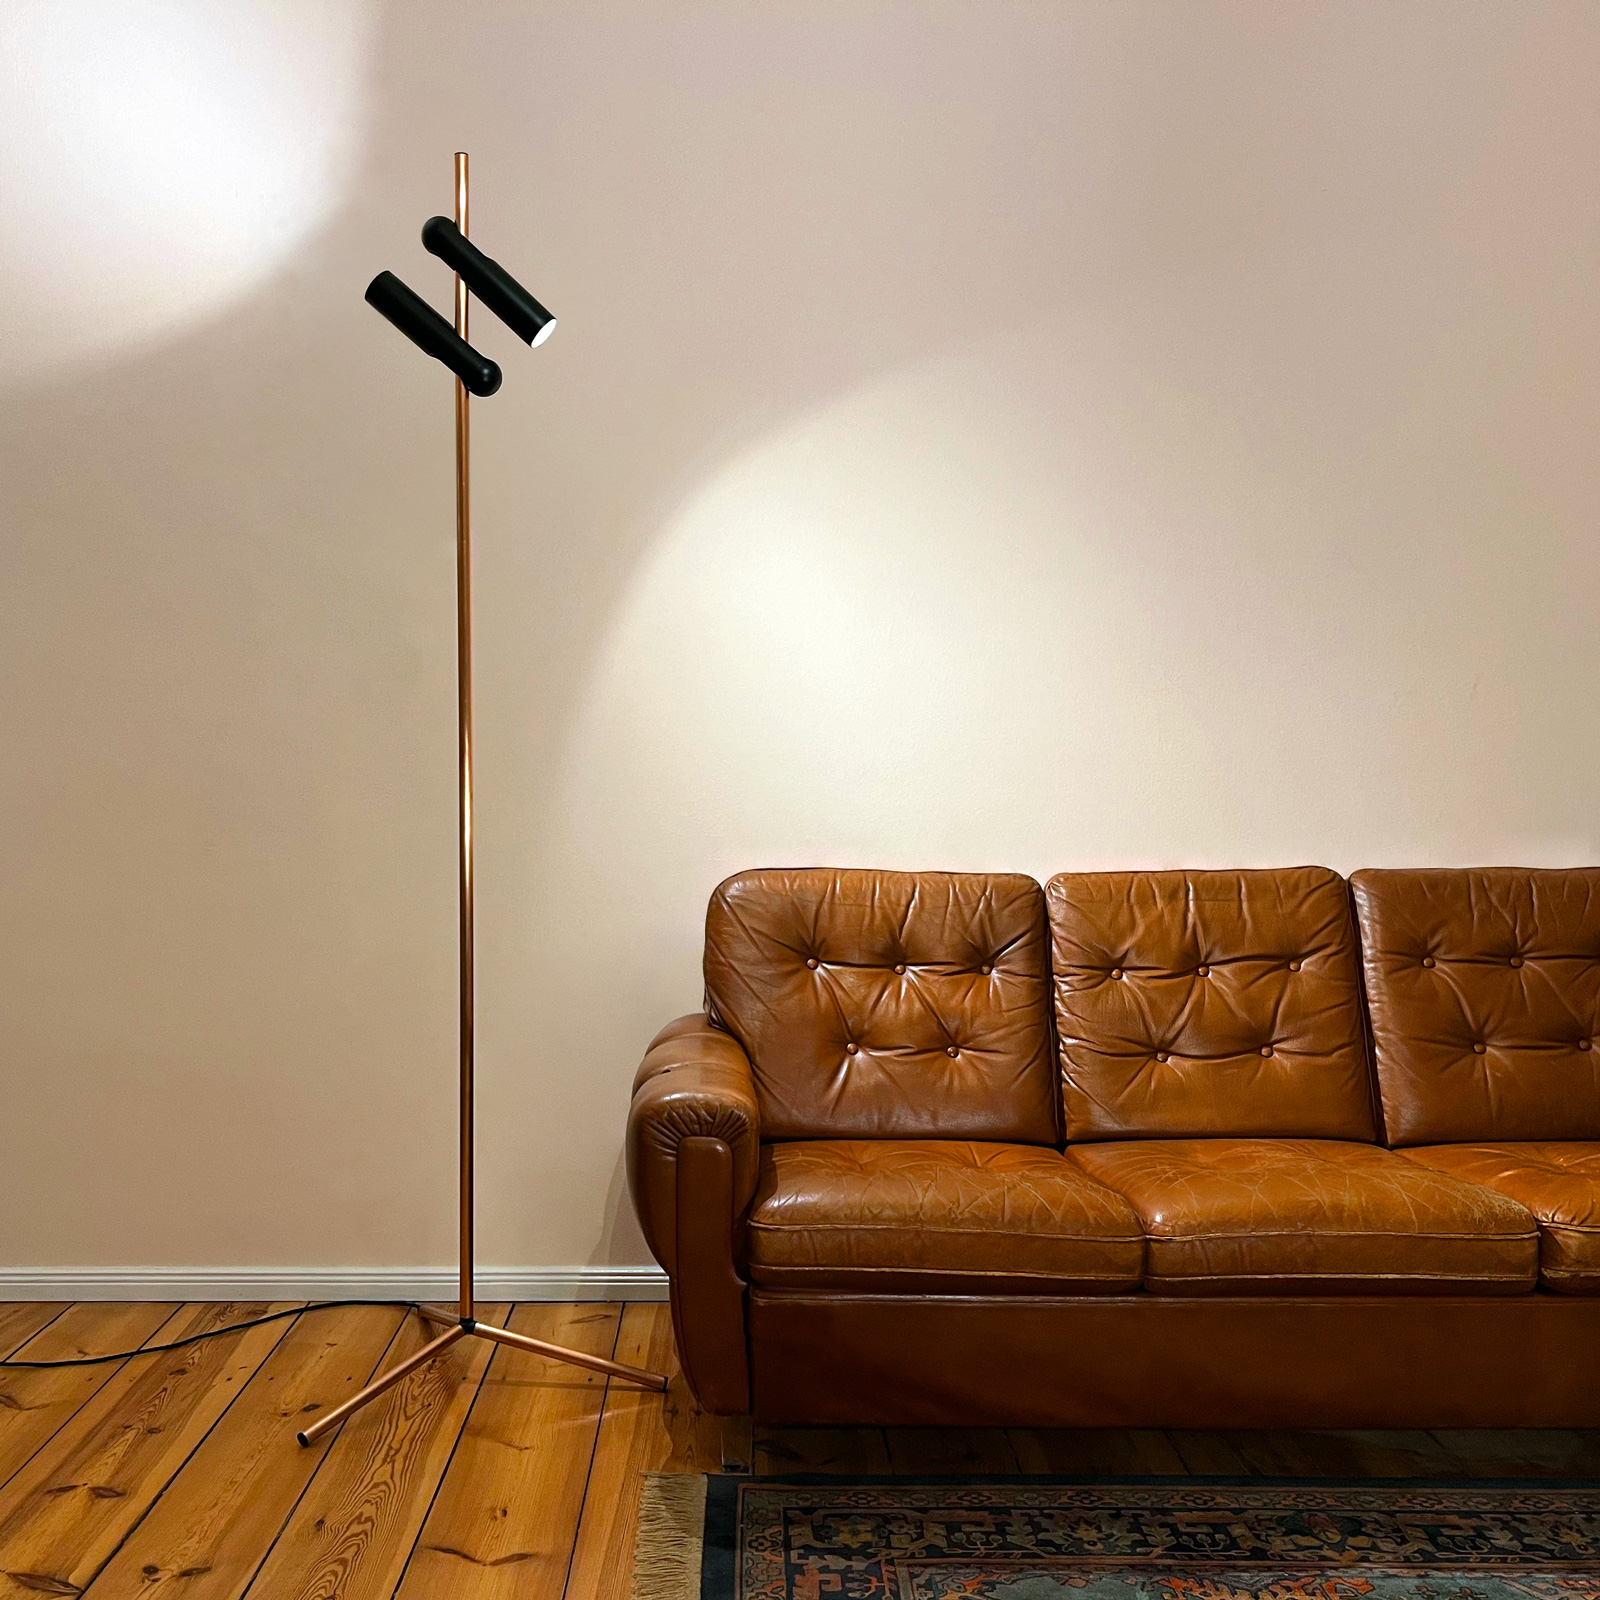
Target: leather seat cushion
<point>927,1216</point>
<point>1313,1216</point>
<point>1559,1182</point>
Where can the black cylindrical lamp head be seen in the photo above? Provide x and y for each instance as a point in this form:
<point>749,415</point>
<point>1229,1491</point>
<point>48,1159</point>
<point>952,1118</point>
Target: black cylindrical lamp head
<point>426,329</point>
<point>487,279</point>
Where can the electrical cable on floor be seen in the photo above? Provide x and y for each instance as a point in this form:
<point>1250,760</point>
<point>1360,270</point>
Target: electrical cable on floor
<point>210,1333</point>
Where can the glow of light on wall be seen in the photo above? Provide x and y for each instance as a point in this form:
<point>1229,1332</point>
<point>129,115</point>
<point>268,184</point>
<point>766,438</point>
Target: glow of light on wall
<point>161,158</point>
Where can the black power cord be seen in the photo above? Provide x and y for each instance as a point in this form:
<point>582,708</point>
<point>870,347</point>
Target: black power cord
<point>210,1333</point>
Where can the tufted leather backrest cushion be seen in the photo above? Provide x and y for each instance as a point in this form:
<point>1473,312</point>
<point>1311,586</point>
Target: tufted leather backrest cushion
<point>891,1005</point>
<point>1209,1004</point>
<point>1484,990</point>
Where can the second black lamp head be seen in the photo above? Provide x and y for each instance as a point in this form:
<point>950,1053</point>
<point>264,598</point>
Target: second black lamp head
<point>487,279</point>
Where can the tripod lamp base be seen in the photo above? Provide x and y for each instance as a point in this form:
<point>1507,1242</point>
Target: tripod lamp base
<point>474,1330</point>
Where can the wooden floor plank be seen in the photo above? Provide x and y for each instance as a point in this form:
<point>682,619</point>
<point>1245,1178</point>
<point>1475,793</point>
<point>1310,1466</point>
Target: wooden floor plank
<point>1291,1453</point>
<point>1522,1452</point>
<point>947,1452</point>
<point>178,1475</point>
<point>640,1431</point>
<point>352,1531</point>
<point>1392,1453</point>
<point>506,1517</point>
<point>1028,1447</point>
<point>77,1499</point>
<point>1207,1453</point>
<point>21,1319</point>
<point>846,1452</point>
<point>209,1532</point>
<point>1114,1452</point>
<point>34,1404</point>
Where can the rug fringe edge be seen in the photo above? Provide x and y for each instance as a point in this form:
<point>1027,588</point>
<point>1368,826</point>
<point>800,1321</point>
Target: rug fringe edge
<point>668,1545</point>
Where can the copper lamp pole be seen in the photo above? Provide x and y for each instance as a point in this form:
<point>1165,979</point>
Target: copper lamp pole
<point>464,1325</point>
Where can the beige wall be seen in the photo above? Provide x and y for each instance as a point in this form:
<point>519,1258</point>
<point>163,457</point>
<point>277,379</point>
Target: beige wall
<point>999,435</point>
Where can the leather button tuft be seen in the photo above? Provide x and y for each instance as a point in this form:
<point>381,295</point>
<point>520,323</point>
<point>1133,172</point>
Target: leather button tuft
<point>1427,961</point>
<point>850,1049</point>
<point>986,970</point>
<point>1161,1055</point>
<point>811,961</point>
<point>899,966</point>
<point>1116,972</point>
<point>1294,966</point>
<point>1584,1044</point>
<point>1266,1049</point>
<point>1204,972</point>
<point>1479,1049</point>
<point>1516,961</point>
<point>952,1051</point>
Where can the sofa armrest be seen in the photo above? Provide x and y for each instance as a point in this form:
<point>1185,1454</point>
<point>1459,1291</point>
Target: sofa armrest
<point>694,1083</point>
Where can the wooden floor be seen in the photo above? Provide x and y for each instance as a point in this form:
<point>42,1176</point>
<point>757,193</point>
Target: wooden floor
<point>490,1475</point>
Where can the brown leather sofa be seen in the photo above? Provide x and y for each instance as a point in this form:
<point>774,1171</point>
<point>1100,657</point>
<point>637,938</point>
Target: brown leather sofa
<point>1191,1149</point>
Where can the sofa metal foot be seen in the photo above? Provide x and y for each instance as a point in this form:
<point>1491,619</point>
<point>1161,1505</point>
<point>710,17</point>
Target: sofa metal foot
<point>738,1453</point>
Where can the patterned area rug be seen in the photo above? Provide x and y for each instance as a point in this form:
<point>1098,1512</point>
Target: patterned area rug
<point>1049,1539</point>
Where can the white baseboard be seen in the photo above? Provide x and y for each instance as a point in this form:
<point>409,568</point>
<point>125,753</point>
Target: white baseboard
<point>328,1283</point>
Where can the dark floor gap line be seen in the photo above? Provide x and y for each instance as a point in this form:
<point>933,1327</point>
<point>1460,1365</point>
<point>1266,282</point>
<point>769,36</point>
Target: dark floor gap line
<point>594,1451</point>
<point>113,1371</point>
<point>45,1327</point>
<point>338,1434</point>
<point>289,1323</point>
<point>449,1460</point>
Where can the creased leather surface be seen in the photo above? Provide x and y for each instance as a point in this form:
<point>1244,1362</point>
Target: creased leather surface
<point>1192,1004</point>
<point>1558,1182</point>
<point>708,1319</point>
<point>694,1082</point>
<point>1484,990</point>
<point>887,1005</point>
<point>934,1216</point>
<point>1153,1361</point>
<point>1307,1216</point>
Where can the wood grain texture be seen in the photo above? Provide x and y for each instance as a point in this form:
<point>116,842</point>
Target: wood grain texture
<point>1113,1452</point>
<point>1347,1453</point>
<point>79,1496</point>
<point>843,1452</point>
<point>1523,1452</point>
<point>640,1432</point>
<point>492,1476</point>
<point>1208,1453</point>
<point>945,1452</point>
<point>352,1532</point>
<point>209,1532</point>
<point>34,1404</point>
<point>506,1518</point>
<point>21,1319</point>
<point>1287,1453</point>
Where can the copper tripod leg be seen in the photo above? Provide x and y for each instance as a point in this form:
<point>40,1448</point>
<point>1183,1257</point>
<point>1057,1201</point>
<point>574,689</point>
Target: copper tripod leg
<point>575,1358</point>
<point>377,1386</point>
<point>554,1352</point>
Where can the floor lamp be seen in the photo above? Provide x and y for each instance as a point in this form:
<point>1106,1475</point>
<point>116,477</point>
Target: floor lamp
<point>475,374</point>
